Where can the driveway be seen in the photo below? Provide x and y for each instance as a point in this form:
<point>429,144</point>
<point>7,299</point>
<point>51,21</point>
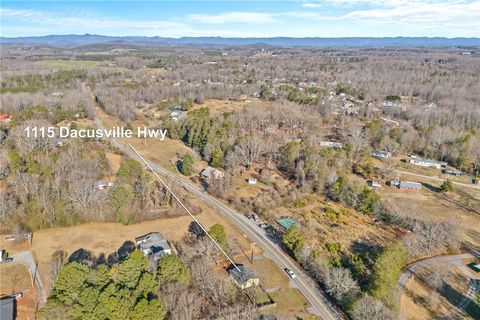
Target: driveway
<point>456,261</point>
<point>27,259</point>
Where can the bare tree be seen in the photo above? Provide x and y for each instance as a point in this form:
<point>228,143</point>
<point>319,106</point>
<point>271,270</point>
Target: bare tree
<point>368,308</point>
<point>250,149</point>
<point>181,302</point>
<point>340,284</point>
<point>57,261</point>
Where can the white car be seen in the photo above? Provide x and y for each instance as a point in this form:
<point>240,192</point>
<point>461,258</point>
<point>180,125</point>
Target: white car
<point>290,273</point>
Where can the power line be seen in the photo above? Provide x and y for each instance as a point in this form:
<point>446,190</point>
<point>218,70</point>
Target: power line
<point>184,207</point>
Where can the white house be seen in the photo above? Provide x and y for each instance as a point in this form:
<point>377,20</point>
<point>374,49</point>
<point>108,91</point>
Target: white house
<point>102,185</point>
<point>210,172</point>
<point>427,163</point>
<point>331,144</point>
<point>381,154</point>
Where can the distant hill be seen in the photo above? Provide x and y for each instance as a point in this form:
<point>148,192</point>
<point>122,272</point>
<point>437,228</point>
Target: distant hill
<point>89,39</point>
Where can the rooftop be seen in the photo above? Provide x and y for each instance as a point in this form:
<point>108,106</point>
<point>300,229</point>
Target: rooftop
<point>8,308</point>
<point>153,242</point>
<point>287,222</point>
<point>428,161</point>
<point>243,275</point>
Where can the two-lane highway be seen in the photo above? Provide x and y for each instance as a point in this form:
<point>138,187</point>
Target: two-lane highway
<point>304,283</point>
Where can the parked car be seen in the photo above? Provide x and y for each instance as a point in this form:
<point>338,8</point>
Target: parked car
<point>263,225</point>
<point>290,273</point>
<point>248,215</point>
<point>255,216</point>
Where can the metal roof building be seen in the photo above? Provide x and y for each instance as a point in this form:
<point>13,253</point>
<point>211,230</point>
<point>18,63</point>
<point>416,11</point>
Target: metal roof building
<point>287,222</point>
<point>8,308</point>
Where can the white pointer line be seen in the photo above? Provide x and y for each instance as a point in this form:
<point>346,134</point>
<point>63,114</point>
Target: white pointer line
<point>184,207</point>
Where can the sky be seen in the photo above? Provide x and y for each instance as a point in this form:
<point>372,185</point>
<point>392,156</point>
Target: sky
<point>294,18</point>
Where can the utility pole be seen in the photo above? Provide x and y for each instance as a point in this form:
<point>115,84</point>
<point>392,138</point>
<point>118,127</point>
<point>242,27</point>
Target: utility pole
<point>185,208</point>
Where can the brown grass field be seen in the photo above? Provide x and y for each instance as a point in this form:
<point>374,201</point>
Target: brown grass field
<point>107,237</point>
<point>15,278</point>
<point>461,207</point>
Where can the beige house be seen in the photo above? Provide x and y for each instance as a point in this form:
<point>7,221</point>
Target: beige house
<point>243,277</point>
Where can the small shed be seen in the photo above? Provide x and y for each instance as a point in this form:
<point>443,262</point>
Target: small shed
<point>252,181</point>
<point>374,184</point>
<point>287,222</point>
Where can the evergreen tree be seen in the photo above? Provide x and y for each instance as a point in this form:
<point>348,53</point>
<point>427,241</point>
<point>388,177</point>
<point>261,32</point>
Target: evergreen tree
<point>152,310</point>
<point>172,269</point>
<point>187,165</point>
<point>71,280</point>
<point>293,240</point>
<point>217,232</point>
<point>129,271</point>
<point>386,272</point>
<point>217,158</point>
<point>129,170</point>
<point>447,186</point>
<point>118,196</point>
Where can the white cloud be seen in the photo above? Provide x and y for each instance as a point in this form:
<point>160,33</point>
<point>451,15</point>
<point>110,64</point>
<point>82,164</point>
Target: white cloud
<point>370,17</point>
<point>89,22</point>
<point>311,5</point>
<point>459,15</point>
<point>233,17</point>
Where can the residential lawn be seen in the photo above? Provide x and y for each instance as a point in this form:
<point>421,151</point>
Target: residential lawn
<point>291,304</point>
<point>271,276</point>
<point>15,278</point>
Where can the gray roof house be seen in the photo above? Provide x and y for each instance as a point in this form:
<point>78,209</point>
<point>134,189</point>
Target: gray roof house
<point>8,308</point>
<point>410,185</point>
<point>243,277</point>
<point>153,243</point>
